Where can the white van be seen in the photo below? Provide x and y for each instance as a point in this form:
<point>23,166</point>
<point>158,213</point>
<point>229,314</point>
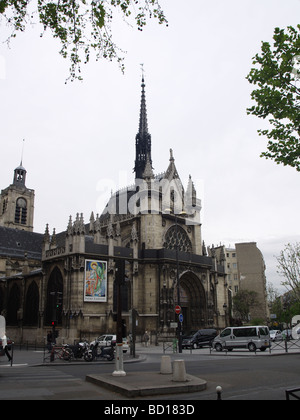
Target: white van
<point>252,338</point>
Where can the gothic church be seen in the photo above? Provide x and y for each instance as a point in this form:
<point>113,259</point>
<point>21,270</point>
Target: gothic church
<point>153,226</point>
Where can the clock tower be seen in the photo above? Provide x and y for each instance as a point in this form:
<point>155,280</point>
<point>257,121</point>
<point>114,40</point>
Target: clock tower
<point>17,203</point>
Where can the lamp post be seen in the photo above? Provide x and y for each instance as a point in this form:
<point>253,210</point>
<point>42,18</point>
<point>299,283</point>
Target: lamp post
<point>120,277</point>
<point>178,289</point>
<point>179,329</point>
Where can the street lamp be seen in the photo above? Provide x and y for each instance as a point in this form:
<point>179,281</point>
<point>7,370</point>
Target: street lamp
<point>120,278</point>
<point>182,213</point>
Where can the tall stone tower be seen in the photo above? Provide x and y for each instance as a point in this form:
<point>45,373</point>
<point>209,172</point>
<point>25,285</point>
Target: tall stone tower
<point>142,140</point>
<point>17,203</point>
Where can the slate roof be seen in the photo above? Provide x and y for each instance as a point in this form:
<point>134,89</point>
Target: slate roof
<point>15,242</point>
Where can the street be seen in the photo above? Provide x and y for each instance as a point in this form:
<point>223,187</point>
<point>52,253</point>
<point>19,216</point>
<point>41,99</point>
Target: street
<point>242,376</point>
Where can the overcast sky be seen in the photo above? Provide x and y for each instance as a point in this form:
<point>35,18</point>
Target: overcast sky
<point>80,136</point>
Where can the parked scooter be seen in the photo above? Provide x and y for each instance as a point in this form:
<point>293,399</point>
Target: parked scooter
<point>81,350</point>
<point>101,352</point>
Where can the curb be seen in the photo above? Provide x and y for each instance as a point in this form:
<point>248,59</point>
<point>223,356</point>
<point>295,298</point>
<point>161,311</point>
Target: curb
<point>149,384</point>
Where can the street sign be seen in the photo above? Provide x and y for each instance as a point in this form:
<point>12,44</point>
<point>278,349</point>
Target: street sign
<point>177,309</point>
<point>180,318</point>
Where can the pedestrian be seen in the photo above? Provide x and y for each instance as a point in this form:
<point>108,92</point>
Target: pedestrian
<point>4,345</point>
<point>146,339</point>
<point>49,341</point>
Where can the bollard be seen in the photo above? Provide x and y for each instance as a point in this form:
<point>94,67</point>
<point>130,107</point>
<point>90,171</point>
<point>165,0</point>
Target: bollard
<point>165,365</point>
<point>179,373</point>
<point>219,392</point>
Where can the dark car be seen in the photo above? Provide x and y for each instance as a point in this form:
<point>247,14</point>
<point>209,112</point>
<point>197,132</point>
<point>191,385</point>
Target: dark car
<point>200,339</point>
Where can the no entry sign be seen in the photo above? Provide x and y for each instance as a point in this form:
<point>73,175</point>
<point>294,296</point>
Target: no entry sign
<point>177,309</point>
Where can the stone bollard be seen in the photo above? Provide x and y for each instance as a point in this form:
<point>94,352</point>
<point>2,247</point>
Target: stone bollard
<point>179,373</point>
<point>165,365</point>
<point>219,393</point>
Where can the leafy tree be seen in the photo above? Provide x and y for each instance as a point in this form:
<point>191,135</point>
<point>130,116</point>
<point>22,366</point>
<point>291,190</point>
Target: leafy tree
<point>277,95</point>
<point>82,26</point>
<point>272,293</point>
<point>289,268</point>
<point>243,301</point>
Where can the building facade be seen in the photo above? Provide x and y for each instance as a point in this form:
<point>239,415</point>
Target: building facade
<point>17,203</point>
<point>154,227</point>
<point>245,270</point>
<point>251,266</point>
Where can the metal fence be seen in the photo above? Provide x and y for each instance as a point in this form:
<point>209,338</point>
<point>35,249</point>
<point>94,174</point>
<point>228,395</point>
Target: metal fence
<point>286,345</point>
<point>292,393</point>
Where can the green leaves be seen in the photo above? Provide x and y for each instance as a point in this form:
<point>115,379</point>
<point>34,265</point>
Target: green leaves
<point>243,302</point>
<point>278,95</point>
<point>289,268</point>
<point>99,14</point>
<point>82,26</point>
<point>3,5</point>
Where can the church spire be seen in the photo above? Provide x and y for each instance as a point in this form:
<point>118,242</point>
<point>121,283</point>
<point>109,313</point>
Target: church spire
<point>19,176</point>
<point>142,139</point>
<point>143,127</point>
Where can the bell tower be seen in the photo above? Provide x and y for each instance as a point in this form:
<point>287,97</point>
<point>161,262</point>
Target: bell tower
<point>17,203</point>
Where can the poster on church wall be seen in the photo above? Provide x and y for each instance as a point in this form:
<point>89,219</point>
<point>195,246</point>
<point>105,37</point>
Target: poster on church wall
<point>95,281</point>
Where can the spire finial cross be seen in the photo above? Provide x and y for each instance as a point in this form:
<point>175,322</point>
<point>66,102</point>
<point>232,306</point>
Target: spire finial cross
<point>143,70</point>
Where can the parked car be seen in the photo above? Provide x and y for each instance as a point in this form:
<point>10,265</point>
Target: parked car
<point>250,337</point>
<point>287,334</point>
<point>200,339</point>
<point>111,340</point>
<point>275,335</point>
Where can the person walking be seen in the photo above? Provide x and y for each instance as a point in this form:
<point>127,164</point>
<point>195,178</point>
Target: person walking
<point>4,345</point>
<point>146,338</point>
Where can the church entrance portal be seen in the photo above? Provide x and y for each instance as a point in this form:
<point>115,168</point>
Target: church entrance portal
<point>192,302</point>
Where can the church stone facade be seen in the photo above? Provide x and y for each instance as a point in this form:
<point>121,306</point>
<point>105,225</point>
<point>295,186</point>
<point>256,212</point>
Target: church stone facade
<point>153,226</point>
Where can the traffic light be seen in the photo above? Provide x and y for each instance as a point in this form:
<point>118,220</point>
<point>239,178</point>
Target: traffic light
<point>59,299</point>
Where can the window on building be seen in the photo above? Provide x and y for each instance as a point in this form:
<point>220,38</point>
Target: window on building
<point>4,207</point>
<point>21,211</point>
<point>179,236</point>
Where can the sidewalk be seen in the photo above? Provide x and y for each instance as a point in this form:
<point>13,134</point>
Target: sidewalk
<point>32,357</point>
<point>36,357</point>
<point>132,385</point>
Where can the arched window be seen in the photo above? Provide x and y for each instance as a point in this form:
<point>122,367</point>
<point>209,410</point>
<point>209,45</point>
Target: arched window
<point>32,305</point>
<point>13,305</point>
<point>184,242</point>
<point>21,211</point>
<point>55,284</point>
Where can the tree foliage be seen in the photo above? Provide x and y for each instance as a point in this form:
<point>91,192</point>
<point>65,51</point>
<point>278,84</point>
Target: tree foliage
<point>82,26</point>
<point>243,302</point>
<point>277,96</point>
<point>289,268</point>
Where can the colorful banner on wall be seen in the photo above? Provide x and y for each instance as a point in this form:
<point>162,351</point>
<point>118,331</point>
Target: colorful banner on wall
<point>95,281</point>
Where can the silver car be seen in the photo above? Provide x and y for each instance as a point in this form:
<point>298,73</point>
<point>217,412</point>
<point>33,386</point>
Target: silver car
<point>250,337</point>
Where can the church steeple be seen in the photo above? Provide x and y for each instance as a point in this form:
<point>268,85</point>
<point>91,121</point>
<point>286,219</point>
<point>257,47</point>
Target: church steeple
<point>142,139</point>
<point>17,203</point>
<point>20,176</point>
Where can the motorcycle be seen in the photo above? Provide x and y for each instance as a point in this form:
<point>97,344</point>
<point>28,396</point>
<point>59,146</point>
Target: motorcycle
<point>101,352</point>
<point>80,350</point>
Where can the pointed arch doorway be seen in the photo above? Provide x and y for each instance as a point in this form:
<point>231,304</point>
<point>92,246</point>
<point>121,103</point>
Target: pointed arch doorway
<point>192,302</point>
<point>55,284</point>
